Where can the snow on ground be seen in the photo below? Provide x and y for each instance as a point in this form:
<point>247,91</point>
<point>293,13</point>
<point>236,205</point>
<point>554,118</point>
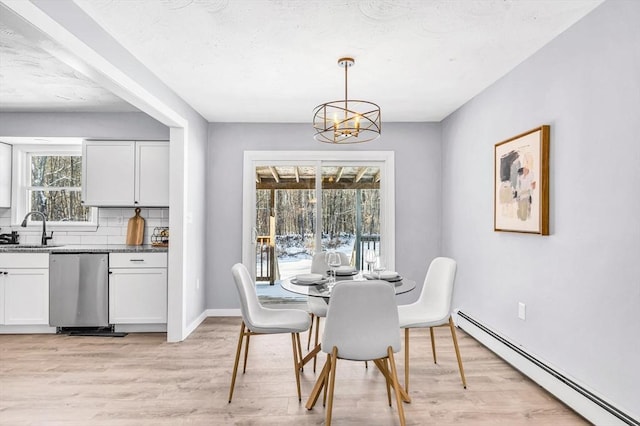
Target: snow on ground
<point>294,262</point>
<point>299,262</point>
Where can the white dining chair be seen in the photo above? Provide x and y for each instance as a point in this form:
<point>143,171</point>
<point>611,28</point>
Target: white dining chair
<point>317,306</point>
<point>361,325</point>
<point>432,309</point>
<point>258,320</point>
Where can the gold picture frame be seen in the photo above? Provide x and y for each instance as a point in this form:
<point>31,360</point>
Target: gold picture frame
<point>521,183</point>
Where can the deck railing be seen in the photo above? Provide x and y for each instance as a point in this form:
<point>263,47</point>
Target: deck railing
<point>266,262</point>
<point>265,259</point>
<point>362,244</point>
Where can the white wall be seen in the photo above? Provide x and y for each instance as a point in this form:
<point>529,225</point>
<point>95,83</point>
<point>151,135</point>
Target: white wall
<point>417,153</point>
<point>581,284</point>
<point>90,125</point>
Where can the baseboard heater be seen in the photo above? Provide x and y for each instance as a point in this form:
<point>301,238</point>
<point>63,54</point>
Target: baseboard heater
<point>613,411</point>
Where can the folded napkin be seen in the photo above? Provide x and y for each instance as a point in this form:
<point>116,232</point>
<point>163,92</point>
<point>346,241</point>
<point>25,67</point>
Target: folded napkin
<point>386,275</point>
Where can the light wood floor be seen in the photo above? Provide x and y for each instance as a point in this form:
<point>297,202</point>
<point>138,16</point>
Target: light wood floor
<point>142,380</point>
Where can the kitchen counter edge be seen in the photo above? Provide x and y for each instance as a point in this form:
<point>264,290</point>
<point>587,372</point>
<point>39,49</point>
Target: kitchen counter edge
<point>103,248</point>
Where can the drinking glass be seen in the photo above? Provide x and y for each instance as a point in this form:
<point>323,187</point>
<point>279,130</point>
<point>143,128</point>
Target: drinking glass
<point>370,258</point>
<point>378,267</point>
<point>333,260</point>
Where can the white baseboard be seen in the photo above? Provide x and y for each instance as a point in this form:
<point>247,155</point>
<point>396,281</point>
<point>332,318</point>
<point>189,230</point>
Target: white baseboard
<point>140,328</point>
<point>27,329</point>
<point>584,401</point>
<point>195,323</point>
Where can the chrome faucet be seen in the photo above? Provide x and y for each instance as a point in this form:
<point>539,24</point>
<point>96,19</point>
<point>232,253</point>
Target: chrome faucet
<point>45,238</point>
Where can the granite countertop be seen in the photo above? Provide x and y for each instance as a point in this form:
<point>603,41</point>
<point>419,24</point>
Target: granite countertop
<point>74,248</point>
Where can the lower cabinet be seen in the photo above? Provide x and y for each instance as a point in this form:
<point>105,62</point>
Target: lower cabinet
<point>138,288</point>
<point>24,289</point>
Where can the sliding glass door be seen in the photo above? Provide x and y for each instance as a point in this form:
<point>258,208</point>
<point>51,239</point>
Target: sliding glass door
<point>285,219</point>
<point>351,209</point>
<point>298,203</point>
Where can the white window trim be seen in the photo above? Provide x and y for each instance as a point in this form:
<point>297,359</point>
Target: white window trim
<point>383,159</point>
<point>20,176</point>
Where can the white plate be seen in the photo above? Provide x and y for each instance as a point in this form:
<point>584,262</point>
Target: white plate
<point>308,278</point>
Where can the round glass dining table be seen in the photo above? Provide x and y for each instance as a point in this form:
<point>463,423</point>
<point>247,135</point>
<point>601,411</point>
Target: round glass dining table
<point>323,290</point>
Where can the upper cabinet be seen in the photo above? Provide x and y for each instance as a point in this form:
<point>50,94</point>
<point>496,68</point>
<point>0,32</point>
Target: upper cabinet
<point>5,175</point>
<point>125,173</point>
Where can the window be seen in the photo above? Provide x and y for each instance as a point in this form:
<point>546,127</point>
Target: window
<point>49,180</point>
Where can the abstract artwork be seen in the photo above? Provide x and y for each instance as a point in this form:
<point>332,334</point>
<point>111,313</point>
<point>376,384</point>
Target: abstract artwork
<point>521,183</point>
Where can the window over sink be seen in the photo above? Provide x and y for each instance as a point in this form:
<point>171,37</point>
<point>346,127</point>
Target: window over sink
<point>49,180</point>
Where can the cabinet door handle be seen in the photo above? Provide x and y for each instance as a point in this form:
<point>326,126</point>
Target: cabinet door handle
<point>136,260</point>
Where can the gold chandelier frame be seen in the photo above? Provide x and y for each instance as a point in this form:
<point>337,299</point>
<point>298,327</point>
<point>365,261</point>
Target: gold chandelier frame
<point>347,121</point>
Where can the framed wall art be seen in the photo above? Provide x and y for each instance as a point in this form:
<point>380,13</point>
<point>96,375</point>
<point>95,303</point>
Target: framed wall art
<point>521,183</point>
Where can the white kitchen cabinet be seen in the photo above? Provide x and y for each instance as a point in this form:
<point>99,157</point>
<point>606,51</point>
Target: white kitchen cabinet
<point>24,288</point>
<point>5,175</point>
<point>125,173</point>
<point>152,174</point>
<point>138,288</point>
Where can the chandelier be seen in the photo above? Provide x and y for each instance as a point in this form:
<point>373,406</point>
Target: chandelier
<point>346,121</point>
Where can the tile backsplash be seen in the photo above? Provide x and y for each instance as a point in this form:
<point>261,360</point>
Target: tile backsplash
<point>112,227</point>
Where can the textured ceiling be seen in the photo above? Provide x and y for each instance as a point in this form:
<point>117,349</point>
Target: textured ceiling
<point>275,60</point>
<point>33,80</point>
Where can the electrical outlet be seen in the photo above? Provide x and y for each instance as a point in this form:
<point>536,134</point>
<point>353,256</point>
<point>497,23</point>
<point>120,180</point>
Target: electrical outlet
<point>522,311</point>
<point>197,283</point>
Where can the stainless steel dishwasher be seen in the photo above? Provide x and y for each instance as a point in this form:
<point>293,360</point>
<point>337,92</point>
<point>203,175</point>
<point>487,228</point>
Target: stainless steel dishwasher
<point>78,290</point>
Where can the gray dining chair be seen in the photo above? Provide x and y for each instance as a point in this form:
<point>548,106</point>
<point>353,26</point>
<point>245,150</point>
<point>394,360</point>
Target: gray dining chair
<point>317,306</point>
<point>361,325</point>
<point>258,320</point>
<point>432,309</point>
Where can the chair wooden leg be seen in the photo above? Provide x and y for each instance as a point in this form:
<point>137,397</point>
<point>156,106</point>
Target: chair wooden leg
<point>387,374</point>
<point>299,348</point>
<point>295,341</point>
<point>406,360</point>
<point>326,382</point>
<point>455,345</point>
<point>396,385</point>
<point>332,383</point>
<point>246,353</point>
<point>316,341</point>
<point>386,367</point>
<point>235,365</point>
<point>433,345</point>
<point>321,383</point>
<point>310,332</point>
